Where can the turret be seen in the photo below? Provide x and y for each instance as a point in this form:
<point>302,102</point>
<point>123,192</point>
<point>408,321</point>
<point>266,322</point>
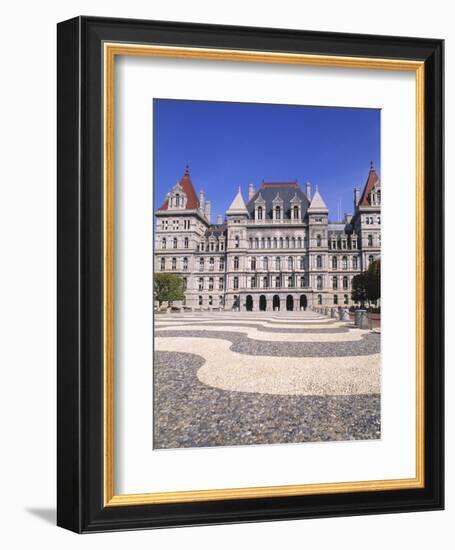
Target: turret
<point>308,191</point>
<point>251,191</point>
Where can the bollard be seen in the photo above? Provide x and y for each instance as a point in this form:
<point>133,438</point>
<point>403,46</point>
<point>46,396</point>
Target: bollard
<point>344,314</point>
<point>364,322</point>
<point>358,314</point>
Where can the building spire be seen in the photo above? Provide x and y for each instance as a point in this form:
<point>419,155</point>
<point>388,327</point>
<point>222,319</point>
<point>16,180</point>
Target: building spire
<point>187,170</point>
<point>371,166</point>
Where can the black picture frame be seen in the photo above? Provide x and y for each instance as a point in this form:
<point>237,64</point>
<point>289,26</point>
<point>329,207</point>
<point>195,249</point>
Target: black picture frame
<point>80,282</point>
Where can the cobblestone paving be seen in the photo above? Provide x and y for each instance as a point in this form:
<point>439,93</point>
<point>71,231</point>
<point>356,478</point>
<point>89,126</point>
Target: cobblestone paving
<point>189,413</point>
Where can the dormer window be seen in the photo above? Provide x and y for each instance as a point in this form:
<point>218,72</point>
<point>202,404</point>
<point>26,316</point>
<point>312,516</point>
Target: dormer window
<point>277,212</point>
<point>260,213</point>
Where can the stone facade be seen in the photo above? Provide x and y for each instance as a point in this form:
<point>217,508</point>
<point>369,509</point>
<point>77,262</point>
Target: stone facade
<point>276,251</point>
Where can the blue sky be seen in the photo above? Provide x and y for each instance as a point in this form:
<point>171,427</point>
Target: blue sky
<point>232,144</point>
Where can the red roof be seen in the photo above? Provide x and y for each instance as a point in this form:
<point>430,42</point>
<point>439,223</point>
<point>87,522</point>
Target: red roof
<point>268,184</point>
<point>186,184</point>
<point>372,180</point>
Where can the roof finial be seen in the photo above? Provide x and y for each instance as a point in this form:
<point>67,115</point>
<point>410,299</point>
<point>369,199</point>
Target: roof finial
<point>187,170</point>
<point>371,165</point>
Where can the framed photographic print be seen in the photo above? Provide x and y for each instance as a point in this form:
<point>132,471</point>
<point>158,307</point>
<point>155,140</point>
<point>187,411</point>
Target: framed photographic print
<point>250,274</point>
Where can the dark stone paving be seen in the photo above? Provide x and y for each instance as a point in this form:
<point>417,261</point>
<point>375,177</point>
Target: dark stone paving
<point>369,344</point>
<point>191,414</point>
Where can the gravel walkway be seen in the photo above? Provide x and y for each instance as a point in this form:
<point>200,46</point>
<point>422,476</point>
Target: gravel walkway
<point>191,414</point>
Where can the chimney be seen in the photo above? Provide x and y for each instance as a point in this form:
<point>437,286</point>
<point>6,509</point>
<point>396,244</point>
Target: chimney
<point>356,197</point>
<point>202,199</point>
<point>251,191</point>
<point>308,190</point>
<point>219,219</point>
<point>207,209</point>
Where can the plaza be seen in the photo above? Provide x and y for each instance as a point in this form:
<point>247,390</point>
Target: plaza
<point>245,378</point>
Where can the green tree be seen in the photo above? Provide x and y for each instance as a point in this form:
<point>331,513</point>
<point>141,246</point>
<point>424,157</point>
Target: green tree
<point>167,288</point>
<point>373,281</point>
<point>359,288</point>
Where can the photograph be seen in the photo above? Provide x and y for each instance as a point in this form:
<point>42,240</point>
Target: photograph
<point>267,273</point>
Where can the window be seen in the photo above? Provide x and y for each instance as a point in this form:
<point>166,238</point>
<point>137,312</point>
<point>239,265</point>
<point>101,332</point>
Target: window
<point>174,242</point>
<point>278,263</point>
<point>319,300</point>
<point>370,260</point>
<point>256,243</point>
<point>237,241</point>
<point>201,264</point>
<point>221,246</point>
<point>265,282</point>
<point>221,300</point>
<point>201,247</point>
<point>200,300</point>
<point>221,264</point>
<point>221,283</point>
<point>185,283</point>
<point>287,242</point>
<point>211,264</point>
<point>275,242</point>
<point>236,282</point>
<point>302,282</point>
<point>345,262</point>
<point>378,219</point>
<point>302,262</point>
<point>212,246</point>
<point>174,264</point>
<point>265,263</point>
<point>299,242</point>
<point>163,264</point>
<point>201,283</point>
<point>253,282</point>
<point>210,283</point>
<point>335,300</point>
<point>290,281</point>
<point>355,262</point>
<point>185,264</point>
<point>319,282</point>
<point>259,212</point>
<point>346,299</point>
<point>253,263</point>
<point>296,212</point>
<point>319,262</point>
<point>163,244</point>
<point>281,242</point>
<point>251,242</point>
<point>345,282</point>
<point>277,213</point>
<point>334,263</point>
<point>334,283</point>
<point>370,240</point>
<point>318,240</point>
<point>278,282</point>
<point>236,262</point>
<point>290,263</point>
<point>186,242</point>
<point>210,300</point>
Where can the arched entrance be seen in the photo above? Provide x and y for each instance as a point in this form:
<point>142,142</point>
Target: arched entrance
<point>249,303</point>
<point>290,303</point>
<point>303,302</point>
<point>276,302</point>
<point>262,303</point>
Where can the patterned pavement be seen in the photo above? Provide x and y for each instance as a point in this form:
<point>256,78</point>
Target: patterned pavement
<point>256,378</point>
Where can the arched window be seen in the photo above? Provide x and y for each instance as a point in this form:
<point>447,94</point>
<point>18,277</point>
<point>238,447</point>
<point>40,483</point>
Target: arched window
<point>355,263</point>
<point>293,242</point>
<point>253,282</point>
<point>277,212</point>
<point>296,212</point>
<point>201,283</point>
<point>163,264</point>
<point>319,300</point>
<point>290,266</point>
<point>318,240</point>
<point>174,264</point>
<point>370,240</point>
<point>319,262</point>
<point>186,242</point>
<point>237,241</point>
<point>302,281</point>
<point>174,242</point>
<point>345,262</point>
<point>302,262</point>
<point>221,264</point>
<point>334,262</point>
<point>299,242</point>
<point>290,281</point>
<point>211,264</point>
<point>259,212</point>
<point>265,282</point>
<point>275,242</point>
<point>345,282</point>
<point>236,282</point>
<point>334,283</point>
<point>211,283</point>
<point>278,281</point>
<point>200,300</point>
<point>185,264</point>
<point>221,283</point>
<point>163,244</point>
<point>201,264</point>
<point>278,263</point>
<point>335,300</point>
<point>287,242</point>
<point>319,282</point>
<point>281,242</point>
<point>265,263</point>
<point>253,263</point>
<point>236,262</point>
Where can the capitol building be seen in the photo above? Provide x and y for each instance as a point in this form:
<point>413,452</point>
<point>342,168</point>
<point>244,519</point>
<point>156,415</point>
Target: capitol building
<point>276,250</point>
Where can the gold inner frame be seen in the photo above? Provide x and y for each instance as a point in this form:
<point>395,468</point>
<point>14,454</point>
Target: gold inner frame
<point>110,51</point>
